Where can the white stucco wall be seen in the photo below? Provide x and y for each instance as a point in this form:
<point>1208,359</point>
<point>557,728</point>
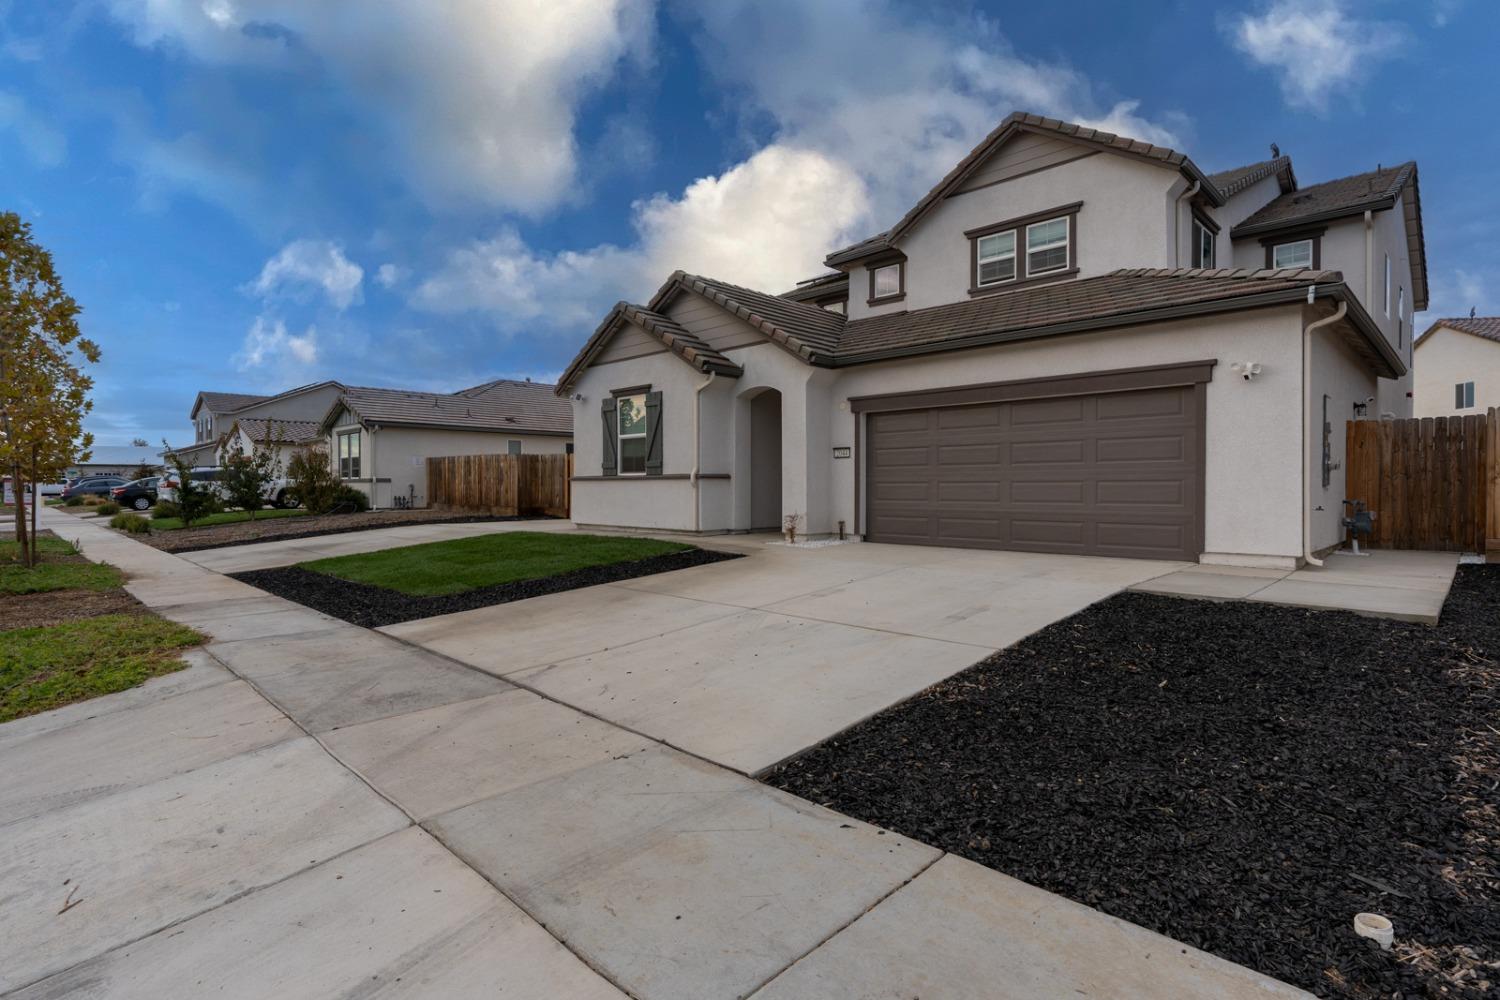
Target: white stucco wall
<point>1338,373</point>
<point>1446,357</point>
<point>1125,222</point>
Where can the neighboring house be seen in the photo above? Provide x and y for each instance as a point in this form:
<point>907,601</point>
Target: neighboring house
<point>1460,371</point>
<point>1075,342</point>
<point>286,437</point>
<point>214,414</point>
<point>379,440</point>
<point>114,460</point>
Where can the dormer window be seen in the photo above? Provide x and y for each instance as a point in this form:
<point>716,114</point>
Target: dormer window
<point>1037,247</point>
<point>1298,254</point>
<point>887,282</point>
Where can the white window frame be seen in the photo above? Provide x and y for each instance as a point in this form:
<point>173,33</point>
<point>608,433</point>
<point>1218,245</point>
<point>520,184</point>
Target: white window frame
<point>621,437</point>
<point>1276,253</point>
<point>1463,395</point>
<point>1205,242</point>
<point>875,293</point>
<point>1066,245</point>
<point>980,259</point>
<point>349,452</point>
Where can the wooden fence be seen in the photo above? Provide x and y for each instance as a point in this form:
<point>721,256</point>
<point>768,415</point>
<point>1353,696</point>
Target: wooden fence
<point>1431,482</point>
<point>506,485</point>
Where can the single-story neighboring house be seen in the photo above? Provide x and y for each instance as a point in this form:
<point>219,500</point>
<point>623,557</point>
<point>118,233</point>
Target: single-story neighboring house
<point>115,460</point>
<point>379,440</point>
<point>287,437</point>
<point>1045,354</point>
<point>1460,372</point>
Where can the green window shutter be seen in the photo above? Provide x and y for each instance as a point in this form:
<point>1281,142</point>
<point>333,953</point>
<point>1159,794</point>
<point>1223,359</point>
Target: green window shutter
<point>653,433</point>
<point>608,441</point>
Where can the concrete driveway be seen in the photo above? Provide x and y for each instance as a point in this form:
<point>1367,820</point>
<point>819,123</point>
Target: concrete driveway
<point>748,662</point>
<point>315,810</point>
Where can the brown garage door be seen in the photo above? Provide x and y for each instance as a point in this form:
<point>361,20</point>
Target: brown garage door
<point>1116,474</point>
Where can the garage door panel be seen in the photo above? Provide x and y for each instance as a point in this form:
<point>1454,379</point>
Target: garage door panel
<point>1114,474</point>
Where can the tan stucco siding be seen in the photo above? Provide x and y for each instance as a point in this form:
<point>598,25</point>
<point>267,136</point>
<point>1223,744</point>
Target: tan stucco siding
<point>711,324</point>
<point>630,341</point>
<point>1447,357</point>
<point>397,456</point>
<point>1338,373</point>
<point>1025,154</point>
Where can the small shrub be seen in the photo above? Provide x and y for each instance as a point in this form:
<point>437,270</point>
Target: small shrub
<point>348,500</point>
<point>135,524</point>
<point>73,501</point>
<point>108,507</point>
<point>312,480</point>
<point>166,508</point>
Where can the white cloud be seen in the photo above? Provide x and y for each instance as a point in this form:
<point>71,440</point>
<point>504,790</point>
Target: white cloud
<point>1318,48</point>
<point>390,275</point>
<point>764,223</point>
<point>316,263</point>
<point>269,343</point>
<point>1455,293</point>
<point>477,99</point>
<point>43,143</point>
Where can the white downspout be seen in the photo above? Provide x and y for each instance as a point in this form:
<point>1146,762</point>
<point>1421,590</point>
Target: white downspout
<point>1307,418</point>
<point>374,487</point>
<point>1369,256</point>
<point>1177,223</point>
<point>698,449</point>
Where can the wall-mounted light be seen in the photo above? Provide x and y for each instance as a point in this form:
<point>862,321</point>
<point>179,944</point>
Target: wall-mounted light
<point>1246,370</point>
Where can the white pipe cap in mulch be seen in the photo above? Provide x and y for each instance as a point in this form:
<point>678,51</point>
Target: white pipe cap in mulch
<point>1375,927</point>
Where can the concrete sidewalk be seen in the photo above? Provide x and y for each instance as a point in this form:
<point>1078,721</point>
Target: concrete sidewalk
<point>316,810</point>
<point>1384,583</point>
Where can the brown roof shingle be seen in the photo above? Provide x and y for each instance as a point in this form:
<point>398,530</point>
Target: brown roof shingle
<point>287,431</point>
<point>227,402</point>
<point>1232,182</point>
<point>518,407</point>
<point>798,326</point>
<point>1487,327</point>
<point>1331,199</point>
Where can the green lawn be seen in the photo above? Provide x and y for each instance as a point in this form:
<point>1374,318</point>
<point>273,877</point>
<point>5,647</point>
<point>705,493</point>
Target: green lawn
<point>228,517</point>
<point>45,668</point>
<point>52,575</point>
<point>484,561</point>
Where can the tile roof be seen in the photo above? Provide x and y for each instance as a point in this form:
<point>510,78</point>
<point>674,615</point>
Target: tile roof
<point>1331,199</point>
<point>287,431</point>
<point>798,326</point>
<point>1232,182</point>
<point>816,288</point>
<point>1487,327</point>
<point>227,402</point>
<point>518,407</point>
<point>679,341</point>
<point>1021,121</point>
<point>1113,297</point>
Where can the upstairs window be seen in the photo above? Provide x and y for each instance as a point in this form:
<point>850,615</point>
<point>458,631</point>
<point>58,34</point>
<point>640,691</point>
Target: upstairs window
<point>1385,289</point>
<point>887,282</point>
<point>996,258</point>
<point>1047,246</point>
<point>1205,253</point>
<point>1463,395</point>
<point>1298,254</point>
<point>1401,316</point>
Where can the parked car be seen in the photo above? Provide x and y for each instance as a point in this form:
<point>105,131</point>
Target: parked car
<point>98,486</point>
<point>141,494</point>
<point>166,487</point>
<point>52,489</point>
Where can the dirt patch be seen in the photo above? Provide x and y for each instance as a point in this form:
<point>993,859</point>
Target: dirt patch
<point>1241,777</point>
<point>373,607</point>
<point>218,536</point>
<point>58,606</point>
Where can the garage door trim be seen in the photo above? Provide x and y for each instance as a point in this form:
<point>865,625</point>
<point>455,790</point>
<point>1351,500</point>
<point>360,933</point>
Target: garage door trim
<point>1081,384</point>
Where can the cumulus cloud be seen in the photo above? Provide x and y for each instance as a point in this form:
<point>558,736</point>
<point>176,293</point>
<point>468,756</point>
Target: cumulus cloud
<point>1455,292</point>
<point>762,223</point>
<point>478,99</point>
<point>390,275</point>
<point>269,343</point>
<point>1318,48</point>
<point>304,264</point>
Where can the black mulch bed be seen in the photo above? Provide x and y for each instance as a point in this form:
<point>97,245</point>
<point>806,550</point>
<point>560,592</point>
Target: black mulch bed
<point>1241,777</point>
<point>331,526</point>
<point>372,607</point>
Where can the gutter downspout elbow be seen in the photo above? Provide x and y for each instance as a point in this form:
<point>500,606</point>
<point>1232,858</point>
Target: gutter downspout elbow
<point>1177,223</point>
<point>1307,331</point>
<point>698,449</point>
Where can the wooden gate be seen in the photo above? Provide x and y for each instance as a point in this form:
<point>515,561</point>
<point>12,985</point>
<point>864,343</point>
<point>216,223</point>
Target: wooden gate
<point>1431,482</point>
<point>505,485</point>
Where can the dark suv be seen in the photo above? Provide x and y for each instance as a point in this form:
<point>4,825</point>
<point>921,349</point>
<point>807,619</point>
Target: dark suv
<point>98,486</point>
<point>140,494</point>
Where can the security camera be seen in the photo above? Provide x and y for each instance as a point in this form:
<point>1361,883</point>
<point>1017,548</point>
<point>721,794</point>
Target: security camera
<point>1246,370</point>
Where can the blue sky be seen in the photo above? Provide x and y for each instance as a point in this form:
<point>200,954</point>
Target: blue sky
<point>254,194</point>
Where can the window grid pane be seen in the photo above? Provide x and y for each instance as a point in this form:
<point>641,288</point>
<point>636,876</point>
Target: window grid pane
<point>1297,254</point>
<point>1047,246</point>
<point>887,280</point>
<point>996,256</point>
<point>632,434</point>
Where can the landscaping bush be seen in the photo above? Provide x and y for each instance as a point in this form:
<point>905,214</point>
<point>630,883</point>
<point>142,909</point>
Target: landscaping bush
<point>132,523</point>
<point>245,477</point>
<point>166,508</point>
<point>194,499</point>
<point>107,508</point>
<point>348,500</point>
<point>313,481</point>
<point>73,501</point>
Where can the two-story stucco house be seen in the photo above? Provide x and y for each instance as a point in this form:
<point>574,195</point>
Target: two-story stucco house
<point>1075,342</point>
<point>1460,373</point>
<point>214,415</point>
